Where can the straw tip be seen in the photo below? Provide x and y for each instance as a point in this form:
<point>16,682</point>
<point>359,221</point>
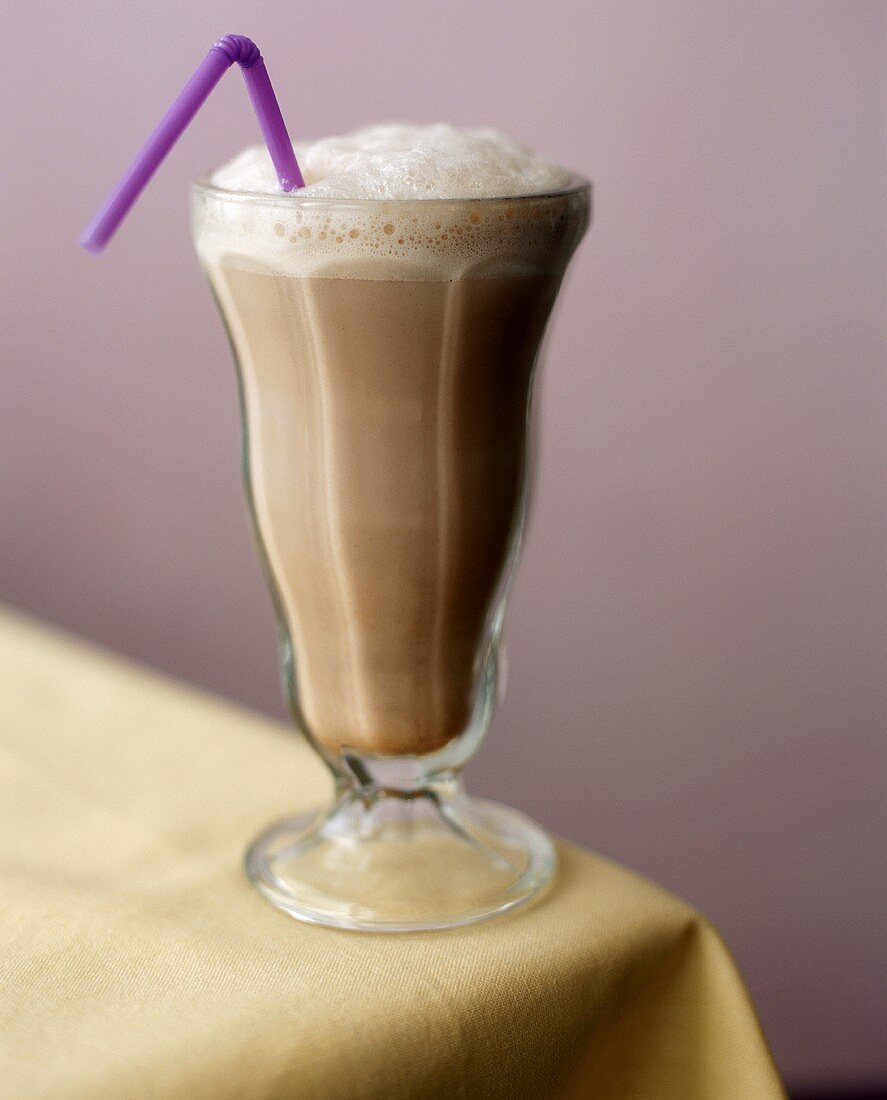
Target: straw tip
<point>92,241</point>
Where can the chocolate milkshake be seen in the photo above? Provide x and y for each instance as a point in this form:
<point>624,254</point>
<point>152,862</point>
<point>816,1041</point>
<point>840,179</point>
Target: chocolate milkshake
<point>386,335</point>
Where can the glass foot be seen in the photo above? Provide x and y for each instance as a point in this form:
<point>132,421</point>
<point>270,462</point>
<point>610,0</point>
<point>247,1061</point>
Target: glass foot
<point>402,861</point>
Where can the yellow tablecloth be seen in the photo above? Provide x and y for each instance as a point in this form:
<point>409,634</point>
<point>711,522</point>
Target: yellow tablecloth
<point>136,961</point>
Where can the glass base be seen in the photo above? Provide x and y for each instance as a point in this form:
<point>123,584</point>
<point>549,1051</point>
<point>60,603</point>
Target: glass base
<point>402,861</point>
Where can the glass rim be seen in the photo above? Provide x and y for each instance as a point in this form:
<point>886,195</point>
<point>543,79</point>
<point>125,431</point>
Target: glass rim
<point>203,185</point>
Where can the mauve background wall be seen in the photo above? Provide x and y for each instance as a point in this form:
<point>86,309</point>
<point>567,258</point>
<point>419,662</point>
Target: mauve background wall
<point>697,638</point>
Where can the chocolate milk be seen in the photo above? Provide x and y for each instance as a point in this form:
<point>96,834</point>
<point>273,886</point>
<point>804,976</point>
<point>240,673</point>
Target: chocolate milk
<point>386,352</point>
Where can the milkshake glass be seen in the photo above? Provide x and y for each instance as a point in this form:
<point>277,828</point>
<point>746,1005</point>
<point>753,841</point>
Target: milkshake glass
<point>386,353</point>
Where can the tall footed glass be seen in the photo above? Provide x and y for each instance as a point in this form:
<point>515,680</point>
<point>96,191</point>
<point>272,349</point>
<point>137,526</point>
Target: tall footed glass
<point>386,354</point>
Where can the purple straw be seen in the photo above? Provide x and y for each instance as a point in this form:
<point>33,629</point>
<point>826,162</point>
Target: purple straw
<point>231,48</point>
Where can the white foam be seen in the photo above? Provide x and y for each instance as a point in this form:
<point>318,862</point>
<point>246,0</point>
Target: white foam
<point>484,203</point>
<point>399,161</point>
